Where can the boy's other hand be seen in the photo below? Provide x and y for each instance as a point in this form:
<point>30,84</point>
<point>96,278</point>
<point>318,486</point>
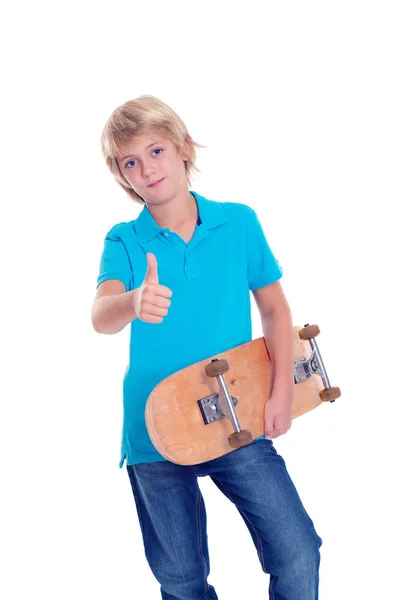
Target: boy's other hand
<point>151,300</point>
<point>278,414</point>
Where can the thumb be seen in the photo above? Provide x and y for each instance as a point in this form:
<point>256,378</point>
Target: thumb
<point>152,274</point>
<point>268,426</point>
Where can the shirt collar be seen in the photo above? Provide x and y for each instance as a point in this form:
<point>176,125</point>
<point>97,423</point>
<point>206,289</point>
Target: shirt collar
<point>211,214</point>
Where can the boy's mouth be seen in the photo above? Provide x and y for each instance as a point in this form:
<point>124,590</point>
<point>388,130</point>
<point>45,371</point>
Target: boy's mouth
<point>156,183</point>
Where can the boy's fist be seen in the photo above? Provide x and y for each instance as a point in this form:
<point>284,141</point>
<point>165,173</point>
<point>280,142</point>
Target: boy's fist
<point>151,300</point>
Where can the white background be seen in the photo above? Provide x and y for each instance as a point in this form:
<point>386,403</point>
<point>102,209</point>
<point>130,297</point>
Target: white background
<point>298,105</point>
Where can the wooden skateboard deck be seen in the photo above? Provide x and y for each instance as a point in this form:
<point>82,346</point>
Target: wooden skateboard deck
<point>175,421</point>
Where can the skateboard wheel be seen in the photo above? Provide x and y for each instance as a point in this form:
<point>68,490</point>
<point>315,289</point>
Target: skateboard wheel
<point>217,367</point>
<point>311,331</point>
<point>240,438</point>
<point>330,394</point>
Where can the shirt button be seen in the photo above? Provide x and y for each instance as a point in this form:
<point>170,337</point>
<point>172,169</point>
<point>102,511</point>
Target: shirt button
<point>166,234</point>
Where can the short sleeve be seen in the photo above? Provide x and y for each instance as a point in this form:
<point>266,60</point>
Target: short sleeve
<point>262,266</point>
<point>115,262</point>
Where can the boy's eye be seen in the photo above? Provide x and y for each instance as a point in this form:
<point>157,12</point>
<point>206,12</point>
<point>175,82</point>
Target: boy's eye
<point>132,161</point>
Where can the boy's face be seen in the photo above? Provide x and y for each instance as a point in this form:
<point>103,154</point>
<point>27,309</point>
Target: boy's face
<point>150,158</point>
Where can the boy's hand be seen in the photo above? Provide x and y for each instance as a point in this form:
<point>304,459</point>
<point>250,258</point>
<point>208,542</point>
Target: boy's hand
<point>151,300</point>
<point>278,415</point>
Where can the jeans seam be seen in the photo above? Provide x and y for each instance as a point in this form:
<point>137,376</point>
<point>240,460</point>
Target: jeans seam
<point>138,501</point>
<point>259,541</point>
<point>271,591</point>
<point>206,596</point>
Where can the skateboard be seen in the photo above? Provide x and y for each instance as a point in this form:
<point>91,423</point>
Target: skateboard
<point>214,406</point>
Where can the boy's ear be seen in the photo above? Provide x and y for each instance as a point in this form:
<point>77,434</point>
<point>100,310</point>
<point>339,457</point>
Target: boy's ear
<point>187,149</point>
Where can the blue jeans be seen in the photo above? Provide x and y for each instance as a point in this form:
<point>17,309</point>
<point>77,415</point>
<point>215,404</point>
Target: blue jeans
<point>172,519</point>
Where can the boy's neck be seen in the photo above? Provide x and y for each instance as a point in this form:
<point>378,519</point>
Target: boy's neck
<point>176,213</point>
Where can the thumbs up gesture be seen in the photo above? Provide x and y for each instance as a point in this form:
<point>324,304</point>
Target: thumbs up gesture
<point>152,274</point>
<point>151,300</point>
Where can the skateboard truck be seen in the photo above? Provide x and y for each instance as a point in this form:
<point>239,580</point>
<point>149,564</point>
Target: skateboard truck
<point>211,409</point>
<point>303,368</point>
<point>217,406</point>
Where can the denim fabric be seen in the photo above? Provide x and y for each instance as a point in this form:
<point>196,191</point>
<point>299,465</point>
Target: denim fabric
<point>172,518</point>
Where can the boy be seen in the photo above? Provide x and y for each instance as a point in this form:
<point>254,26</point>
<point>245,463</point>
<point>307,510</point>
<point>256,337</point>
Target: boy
<point>180,274</point>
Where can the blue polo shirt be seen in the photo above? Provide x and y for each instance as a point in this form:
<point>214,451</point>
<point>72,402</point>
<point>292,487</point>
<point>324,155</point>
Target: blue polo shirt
<point>210,277</point>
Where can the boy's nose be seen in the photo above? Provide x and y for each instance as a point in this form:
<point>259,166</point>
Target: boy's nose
<point>148,172</point>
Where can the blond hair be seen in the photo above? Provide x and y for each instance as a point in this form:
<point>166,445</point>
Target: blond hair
<point>137,117</point>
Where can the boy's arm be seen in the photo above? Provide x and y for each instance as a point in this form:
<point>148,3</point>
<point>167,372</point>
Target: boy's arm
<point>113,307</point>
<point>277,327</point>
